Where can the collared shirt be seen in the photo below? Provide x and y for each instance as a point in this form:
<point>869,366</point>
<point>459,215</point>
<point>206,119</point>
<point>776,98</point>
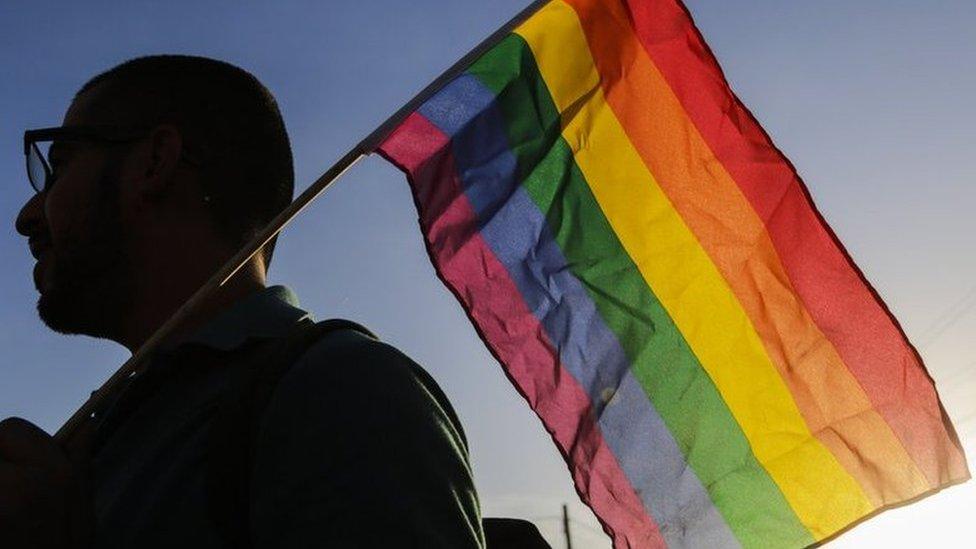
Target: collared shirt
<point>358,447</point>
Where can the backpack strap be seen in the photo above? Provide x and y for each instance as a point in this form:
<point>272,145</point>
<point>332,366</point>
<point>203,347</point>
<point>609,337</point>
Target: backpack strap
<point>300,340</point>
<point>233,432</point>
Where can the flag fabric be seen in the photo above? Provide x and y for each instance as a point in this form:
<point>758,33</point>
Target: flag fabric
<point>652,275</point>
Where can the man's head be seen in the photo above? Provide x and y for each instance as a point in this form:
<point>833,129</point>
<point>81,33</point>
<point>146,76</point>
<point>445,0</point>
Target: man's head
<point>208,165</point>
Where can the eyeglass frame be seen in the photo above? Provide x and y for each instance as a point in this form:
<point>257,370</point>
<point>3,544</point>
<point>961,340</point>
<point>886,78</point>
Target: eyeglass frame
<point>95,133</point>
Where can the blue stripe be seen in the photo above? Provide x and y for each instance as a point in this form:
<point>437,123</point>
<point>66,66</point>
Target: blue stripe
<point>516,231</point>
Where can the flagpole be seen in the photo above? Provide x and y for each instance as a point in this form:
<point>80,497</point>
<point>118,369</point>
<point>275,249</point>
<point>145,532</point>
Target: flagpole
<point>276,225</point>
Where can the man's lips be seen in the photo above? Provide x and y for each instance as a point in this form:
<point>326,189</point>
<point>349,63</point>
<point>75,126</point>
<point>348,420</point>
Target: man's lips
<point>39,275</point>
<point>38,247</point>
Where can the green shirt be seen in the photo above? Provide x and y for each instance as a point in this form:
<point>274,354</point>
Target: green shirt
<point>358,447</point>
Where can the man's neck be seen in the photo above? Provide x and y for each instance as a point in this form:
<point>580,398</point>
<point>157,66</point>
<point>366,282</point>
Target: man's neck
<point>160,303</point>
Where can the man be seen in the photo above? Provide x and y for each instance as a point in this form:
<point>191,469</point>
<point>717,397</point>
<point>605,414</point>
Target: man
<point>163,168</point>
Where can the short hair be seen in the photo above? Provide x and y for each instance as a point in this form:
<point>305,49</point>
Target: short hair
<point>225,113</point>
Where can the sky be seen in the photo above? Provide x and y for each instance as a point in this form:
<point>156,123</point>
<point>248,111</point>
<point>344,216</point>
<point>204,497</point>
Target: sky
<point>871,100</point>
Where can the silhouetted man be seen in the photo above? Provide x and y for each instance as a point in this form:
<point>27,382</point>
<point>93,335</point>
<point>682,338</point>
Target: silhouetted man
<point>163,168</point>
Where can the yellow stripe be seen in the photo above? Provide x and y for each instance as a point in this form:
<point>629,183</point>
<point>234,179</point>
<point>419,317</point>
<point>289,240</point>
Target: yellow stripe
<point>689,286</point>
<point>829,397</point>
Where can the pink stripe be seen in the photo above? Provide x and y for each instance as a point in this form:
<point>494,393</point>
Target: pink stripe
<point>512,333</point>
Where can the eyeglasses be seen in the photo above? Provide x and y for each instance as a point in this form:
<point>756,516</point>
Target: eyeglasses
<point>39,170</point>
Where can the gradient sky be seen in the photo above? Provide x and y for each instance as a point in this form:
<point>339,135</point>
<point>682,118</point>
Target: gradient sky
<point>872,100</point>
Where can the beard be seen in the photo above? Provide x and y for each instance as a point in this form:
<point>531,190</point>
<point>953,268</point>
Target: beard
<point>90,282</point>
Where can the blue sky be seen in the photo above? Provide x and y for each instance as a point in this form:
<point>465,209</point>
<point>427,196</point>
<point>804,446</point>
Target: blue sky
<point>872,101</point>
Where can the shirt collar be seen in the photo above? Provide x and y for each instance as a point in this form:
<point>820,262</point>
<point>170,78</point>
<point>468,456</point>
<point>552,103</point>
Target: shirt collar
<point>271,312</point>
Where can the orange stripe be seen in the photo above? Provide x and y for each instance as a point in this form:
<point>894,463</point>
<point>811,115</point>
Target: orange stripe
<point>834,406</point>
<point>837,295</point>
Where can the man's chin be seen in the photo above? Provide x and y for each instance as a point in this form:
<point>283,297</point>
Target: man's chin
<point>57,314</point>
<point>76,312</point>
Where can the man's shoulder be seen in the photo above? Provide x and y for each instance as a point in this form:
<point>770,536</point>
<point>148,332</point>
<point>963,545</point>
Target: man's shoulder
<point>363,433</point>
<point>347,369</point>
<point>347,356</point>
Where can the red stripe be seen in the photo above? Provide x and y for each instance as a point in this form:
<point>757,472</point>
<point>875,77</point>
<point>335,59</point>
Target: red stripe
<point>834,291</point>
<point>512,333</point>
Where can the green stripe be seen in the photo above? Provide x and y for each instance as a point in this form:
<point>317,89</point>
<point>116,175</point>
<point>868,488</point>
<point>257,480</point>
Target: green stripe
<point>667,369</point>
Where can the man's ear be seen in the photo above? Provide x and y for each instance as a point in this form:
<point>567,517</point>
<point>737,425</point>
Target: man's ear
<point>159,162</point>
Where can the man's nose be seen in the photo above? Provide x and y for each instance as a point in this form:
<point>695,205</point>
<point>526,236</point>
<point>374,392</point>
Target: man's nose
<point>30,220</point>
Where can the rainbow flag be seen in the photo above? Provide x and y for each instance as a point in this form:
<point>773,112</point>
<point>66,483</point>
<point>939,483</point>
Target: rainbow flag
<point>652,275</point>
